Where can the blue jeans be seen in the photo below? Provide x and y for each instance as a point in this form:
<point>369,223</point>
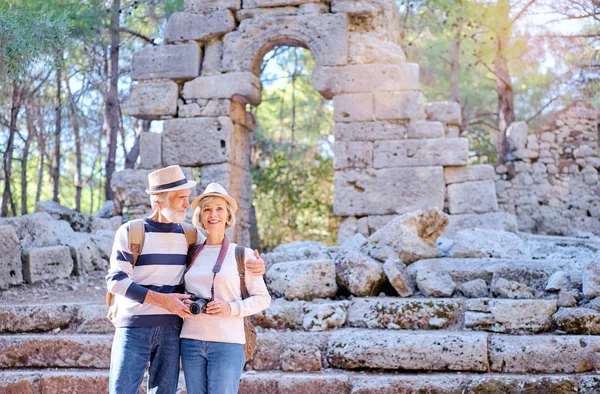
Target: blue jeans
<point>133,348</point>
<point>212,367</point>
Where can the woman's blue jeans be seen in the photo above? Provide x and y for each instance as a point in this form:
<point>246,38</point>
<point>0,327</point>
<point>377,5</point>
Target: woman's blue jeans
<point>212,367</point>
<point>133,348</point>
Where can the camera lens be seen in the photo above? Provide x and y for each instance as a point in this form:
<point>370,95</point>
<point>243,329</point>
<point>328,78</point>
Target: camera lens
<point>198,306</point>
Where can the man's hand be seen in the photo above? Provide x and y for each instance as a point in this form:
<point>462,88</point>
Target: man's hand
<point>171,302</point>
<point>256,265</point>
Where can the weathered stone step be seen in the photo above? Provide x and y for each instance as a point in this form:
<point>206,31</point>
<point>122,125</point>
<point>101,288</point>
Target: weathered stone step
<point>55,351</point>
<point>477,314</point>
<point>330,381</point>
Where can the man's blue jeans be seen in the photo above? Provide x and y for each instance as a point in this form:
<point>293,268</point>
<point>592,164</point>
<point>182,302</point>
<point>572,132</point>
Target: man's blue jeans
<point>212,367</point>
<point>133,348</point>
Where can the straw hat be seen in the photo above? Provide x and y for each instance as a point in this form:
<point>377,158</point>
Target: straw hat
<point>215,190</point>
<point>168,179</point>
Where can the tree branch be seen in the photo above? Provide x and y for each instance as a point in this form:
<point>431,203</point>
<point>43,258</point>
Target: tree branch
<point>521,12</point>
<point>138,35</point>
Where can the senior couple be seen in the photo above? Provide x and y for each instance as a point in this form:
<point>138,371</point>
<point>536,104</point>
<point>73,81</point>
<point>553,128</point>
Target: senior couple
<point>154,325</point>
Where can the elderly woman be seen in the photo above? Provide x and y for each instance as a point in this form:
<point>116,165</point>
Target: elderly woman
<point>212,342</point>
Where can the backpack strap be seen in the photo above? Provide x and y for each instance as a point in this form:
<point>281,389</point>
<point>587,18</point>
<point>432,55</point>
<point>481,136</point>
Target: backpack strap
<point>135,238</point>
<point>191,235</point>
<point>240,253</point>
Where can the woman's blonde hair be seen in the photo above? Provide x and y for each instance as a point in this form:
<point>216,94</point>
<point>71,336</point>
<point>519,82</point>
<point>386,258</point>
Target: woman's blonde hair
<point>197,219</point>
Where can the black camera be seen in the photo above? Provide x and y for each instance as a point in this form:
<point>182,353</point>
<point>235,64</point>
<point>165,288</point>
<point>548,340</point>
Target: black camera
<point>198,304</point>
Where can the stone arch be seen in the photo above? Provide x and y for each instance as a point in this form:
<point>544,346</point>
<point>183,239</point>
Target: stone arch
<point>394,153</point>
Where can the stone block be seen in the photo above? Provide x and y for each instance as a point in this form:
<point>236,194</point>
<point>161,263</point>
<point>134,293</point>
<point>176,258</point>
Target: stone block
<point>397,105</point>
<point>376,222</point>
<point>364,48</point>
<point>577,321</point>
<point>591,280</point>
<point>425,129</point>
<point>33,230</point>
<point>47,263</point>
<point>447,112</point>
<point>353,154</point>
<point>167,62</point>
<point>213,57</point>
<point>472,197</point>
<point>325,315</point>
<point>514,384</point>
<point>474,288</point>
<point>369,131</point>
<point>387,190</point>
<point>152,100</point>
<point>91,319</point>
<point>197,141</point>
<point>421,153</point>
<point>276,3</point>
<point>49,351</point>
<point>477,242</point>
<point>395,271</point>
<point>85,253</point>
<point>150,150</point>
<point>324,34</point>
<point>543,353</point>
<point>504,288</point>
<point>452,131</point>
<point>184,26</point>
<point>313,383</point>
<point>87,382</point>
<point>356,107</point>
<point>270,347</point>
<point>35,318</point>
<point>409,384</point>
<point>470,173</point>
<point>360,274</point>
<point>129,187</point>
<point>492,220</point>
<point>364,78</point>
<point>261,13</point>
<point>11,268</point>
<point>403,314</point>
<point>435,283</point>
<point>407,350</point>
<point>411,236</point>
<point>511,316</point>
<point>299,357</point>
<point>208,6</point>
<point>224,86</point>
<point>303,280</point>
<point>516,136</point>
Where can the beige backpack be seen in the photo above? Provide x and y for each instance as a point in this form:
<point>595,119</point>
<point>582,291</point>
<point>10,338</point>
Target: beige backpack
<point>135,241</point>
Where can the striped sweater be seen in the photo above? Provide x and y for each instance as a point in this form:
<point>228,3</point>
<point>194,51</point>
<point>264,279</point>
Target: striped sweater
<point>159,267</point>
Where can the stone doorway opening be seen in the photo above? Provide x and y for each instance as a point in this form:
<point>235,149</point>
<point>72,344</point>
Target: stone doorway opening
<point>292,153</point>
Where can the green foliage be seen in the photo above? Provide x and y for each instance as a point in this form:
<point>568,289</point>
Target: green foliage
<point>29,31</point>
<point>293,168</point>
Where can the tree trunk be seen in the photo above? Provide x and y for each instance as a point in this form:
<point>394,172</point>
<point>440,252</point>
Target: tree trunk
<point>31,133</point>
<point>41,140</point>
<point>8,153</point>
<point>506,106</point>
<point>57,132</point>
<point>111,99</point>
<point>78,160</point>
<point>132,156</point>
<point>455,68</point>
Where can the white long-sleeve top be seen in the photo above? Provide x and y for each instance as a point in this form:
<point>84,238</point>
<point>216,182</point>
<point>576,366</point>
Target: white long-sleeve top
<point>198,281</point>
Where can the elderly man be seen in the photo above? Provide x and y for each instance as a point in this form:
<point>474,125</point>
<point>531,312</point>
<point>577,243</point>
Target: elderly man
<point>150,307</point>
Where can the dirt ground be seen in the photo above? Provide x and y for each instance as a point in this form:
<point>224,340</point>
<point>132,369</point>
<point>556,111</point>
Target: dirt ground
<point>89,288</point>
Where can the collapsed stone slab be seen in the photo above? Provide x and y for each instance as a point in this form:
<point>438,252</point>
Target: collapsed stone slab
<point>488,243</point>
<point>305,279</point>
<point>412,235</point>
<point>577,321</point>
<point>359,273</point>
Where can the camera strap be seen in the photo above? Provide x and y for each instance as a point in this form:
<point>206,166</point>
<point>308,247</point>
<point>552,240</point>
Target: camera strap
<point>217,268</point>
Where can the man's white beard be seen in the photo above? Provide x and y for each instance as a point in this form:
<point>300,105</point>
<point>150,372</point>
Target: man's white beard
<point>173,215</point>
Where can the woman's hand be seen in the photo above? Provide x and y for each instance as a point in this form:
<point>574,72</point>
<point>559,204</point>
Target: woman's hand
<point>218,308</point>
<point>256,265</point>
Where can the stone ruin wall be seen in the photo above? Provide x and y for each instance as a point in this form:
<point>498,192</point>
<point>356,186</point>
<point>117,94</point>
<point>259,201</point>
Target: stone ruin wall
<point>550,178</point>
<point>393,153</point>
